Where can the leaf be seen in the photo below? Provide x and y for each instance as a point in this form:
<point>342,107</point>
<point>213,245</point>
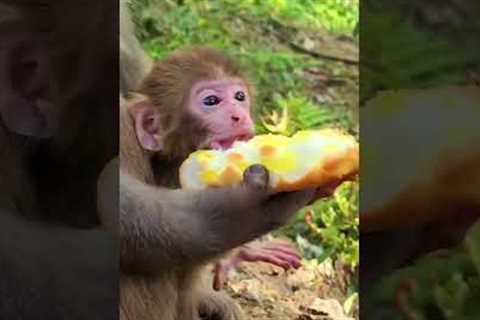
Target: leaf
<point>310,250</point>
<point>276,123</point>
<point>472,242</point>
<point>451,297</point>
<point>350,302</point>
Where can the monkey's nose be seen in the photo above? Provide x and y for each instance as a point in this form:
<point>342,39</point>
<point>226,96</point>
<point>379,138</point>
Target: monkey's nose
<point>235,118</point>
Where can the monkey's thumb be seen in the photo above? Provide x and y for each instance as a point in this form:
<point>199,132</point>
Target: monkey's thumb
<point>257,178</point>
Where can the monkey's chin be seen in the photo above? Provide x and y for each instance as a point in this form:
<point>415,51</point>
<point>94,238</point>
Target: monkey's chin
<point>224,144</point>
<point>221,145</point>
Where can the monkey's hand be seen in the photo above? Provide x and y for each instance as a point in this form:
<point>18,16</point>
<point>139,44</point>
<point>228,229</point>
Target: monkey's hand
<point>251,208</point>
<point>164,228</point>
<point>280,253</point>
<point>239,214</point>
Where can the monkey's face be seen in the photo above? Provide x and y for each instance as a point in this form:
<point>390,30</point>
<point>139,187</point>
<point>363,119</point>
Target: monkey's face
<point>222,107</point>
<point>25,100</point>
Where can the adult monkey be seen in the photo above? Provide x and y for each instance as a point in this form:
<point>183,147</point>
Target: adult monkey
<point>50,88</point>
<point>134,62</point>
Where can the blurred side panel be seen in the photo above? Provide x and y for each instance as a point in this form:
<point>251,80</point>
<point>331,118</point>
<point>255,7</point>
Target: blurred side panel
<point>58,130</point>
<point>420,159</point>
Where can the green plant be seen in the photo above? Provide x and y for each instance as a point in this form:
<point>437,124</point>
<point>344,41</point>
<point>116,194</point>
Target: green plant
<point>408,58</point>
<point>299,113</point>
<point>329,228</point>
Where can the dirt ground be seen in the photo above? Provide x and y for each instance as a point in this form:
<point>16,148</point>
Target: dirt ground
<point>267,292</point>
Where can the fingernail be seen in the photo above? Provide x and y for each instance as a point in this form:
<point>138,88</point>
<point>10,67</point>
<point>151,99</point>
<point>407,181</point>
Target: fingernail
<point>257,169</point>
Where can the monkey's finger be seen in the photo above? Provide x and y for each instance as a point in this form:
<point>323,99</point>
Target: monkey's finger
<point>284,250</point>
<point>272,249</point>
<point>218,277</point>
<point>253,190</point>
<point>221,271</point>
<point>293,260</point>
<point>256,177</point>
<point>257,256</point>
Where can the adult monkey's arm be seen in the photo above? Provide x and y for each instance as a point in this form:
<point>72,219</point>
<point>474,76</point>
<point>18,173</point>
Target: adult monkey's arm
<point>134,61</point>
<point>162,228</point>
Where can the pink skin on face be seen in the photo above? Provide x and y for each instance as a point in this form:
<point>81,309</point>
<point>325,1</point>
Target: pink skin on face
<point>224,108</point>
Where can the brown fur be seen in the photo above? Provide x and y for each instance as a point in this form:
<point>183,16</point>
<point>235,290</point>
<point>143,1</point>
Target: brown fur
<point>168,87</point>
<point>49,270</point>
<point>134,159</point>
<point>15,183</point>
<point>162,296</point>
<point>167,236</point>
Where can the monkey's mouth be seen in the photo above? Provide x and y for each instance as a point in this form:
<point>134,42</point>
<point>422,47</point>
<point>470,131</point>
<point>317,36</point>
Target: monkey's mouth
<point>227,143</point>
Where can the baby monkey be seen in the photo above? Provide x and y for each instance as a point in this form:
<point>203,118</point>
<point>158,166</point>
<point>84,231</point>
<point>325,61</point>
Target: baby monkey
<point>194,99</point>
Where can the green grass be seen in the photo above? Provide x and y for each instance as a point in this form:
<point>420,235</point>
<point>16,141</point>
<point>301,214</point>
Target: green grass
<point>241,29</point>
<point>409,57</point>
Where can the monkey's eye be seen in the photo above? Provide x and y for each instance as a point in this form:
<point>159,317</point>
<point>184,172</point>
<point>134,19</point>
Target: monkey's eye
<point>240,96</point>
<point>211,100</point>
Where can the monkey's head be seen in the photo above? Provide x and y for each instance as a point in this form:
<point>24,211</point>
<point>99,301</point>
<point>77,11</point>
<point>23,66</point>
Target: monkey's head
<point>26,105</point>
<point>198,99</point>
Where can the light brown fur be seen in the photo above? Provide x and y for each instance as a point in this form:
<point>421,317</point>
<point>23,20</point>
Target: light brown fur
<point>162,296</point>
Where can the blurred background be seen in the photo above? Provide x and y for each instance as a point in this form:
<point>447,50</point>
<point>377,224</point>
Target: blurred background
<point>419,95</point>
<point>302,56</point>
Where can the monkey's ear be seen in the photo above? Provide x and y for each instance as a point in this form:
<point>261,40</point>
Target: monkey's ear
<point>24,104</point>
<point>147,125</point>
